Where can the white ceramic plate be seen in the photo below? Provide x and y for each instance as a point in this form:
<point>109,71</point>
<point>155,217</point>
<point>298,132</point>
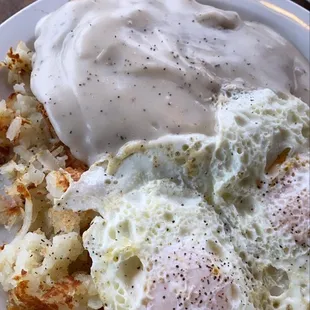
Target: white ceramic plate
<point>287,18</point>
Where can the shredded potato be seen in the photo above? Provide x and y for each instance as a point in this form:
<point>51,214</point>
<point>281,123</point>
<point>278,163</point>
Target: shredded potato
<point>64,221</point>
<point>11,210</point>
<point>35,273</point>
<point>45,266</point>
<point>18,62</point>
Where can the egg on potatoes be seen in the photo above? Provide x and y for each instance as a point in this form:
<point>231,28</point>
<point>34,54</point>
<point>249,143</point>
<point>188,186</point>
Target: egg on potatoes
<point>193,222</point>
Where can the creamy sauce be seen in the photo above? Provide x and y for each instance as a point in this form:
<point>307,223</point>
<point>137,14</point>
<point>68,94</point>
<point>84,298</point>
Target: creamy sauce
<point>113,71</point>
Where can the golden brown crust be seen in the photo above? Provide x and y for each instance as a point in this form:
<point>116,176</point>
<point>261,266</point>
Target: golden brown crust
<point>30,293</point>
<point>73,162</point>
<point>16,63</point>
<point>23,191</point>
<point>11,210</point>
<point>47,298</point>
<point>75,173</point>
<point>20,299</point>
<point>64,221</point>
<point>62,181</point>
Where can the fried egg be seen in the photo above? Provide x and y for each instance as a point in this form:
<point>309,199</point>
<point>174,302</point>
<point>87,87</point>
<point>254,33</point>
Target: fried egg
<point>205,222</point>
<point>163,246</point>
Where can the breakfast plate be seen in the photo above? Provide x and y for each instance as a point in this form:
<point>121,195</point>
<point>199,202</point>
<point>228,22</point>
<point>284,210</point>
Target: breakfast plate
<point>285,17</point>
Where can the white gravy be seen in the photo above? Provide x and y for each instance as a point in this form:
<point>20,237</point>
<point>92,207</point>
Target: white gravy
<point>111,71</point>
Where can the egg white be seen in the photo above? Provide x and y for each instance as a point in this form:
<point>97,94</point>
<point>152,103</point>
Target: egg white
<point>149,229</point>
<point>213,198</point>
